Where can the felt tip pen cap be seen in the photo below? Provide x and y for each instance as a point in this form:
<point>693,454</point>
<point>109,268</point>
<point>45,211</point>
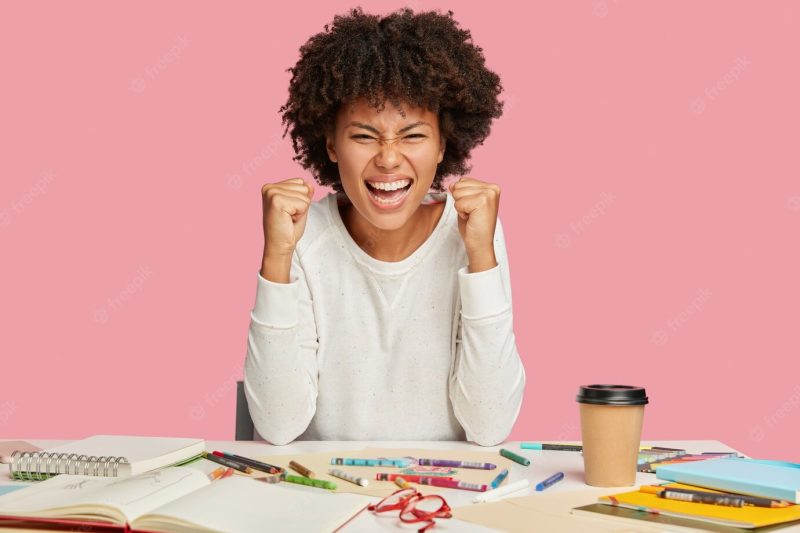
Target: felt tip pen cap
<point>531,445</point>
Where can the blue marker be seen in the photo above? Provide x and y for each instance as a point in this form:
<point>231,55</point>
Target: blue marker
<point>499,479</point>
<point>552,480</point>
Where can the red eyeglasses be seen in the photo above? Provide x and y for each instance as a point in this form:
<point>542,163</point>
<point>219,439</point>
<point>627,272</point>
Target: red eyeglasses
<point>414,507</point>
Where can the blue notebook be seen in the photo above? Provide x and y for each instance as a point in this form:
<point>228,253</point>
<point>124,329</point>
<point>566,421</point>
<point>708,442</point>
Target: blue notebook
<point>744,476</point>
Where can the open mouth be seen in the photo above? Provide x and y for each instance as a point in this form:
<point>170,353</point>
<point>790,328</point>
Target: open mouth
<point>389,194</point>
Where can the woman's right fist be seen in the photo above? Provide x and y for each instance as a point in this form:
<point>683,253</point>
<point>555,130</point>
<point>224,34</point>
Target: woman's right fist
<point>286,205</point>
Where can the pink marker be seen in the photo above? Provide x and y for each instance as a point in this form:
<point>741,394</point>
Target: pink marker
<point>454,484</point>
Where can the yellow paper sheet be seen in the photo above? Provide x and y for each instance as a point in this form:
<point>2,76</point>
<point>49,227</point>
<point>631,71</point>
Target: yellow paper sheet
<point>747,516</point>
<point>544,512</point>
<point>319,463</point>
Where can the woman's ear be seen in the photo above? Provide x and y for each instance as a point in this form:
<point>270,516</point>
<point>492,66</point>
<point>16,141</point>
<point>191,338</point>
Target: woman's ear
<point>329,146</point>
<point>441,150</point>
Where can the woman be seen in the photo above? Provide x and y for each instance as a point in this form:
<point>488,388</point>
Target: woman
<point>383,311</point>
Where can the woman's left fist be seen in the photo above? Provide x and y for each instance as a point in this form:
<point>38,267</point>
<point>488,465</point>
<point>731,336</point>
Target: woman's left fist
<point>477,204</point>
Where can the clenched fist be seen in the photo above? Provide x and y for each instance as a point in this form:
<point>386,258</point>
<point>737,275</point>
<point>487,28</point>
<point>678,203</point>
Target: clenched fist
<point>286,205</point>
<point>477,203</point>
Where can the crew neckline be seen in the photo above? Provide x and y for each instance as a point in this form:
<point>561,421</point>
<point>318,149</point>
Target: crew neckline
<point>389,267</point>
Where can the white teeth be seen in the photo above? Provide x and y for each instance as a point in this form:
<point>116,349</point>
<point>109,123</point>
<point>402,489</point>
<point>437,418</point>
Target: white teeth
<point>396,199</point>
<point>392,186</point>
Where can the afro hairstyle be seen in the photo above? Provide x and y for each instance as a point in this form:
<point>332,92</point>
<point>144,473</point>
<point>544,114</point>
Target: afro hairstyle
<point>422,59</point>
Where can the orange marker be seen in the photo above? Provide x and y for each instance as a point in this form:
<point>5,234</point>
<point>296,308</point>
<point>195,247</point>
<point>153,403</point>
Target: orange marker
<point>217,473</point>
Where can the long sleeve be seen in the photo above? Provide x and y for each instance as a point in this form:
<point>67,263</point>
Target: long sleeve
<point>488,379</point>
<point>280,372</point>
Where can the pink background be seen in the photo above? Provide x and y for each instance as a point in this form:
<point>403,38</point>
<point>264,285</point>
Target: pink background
<point>648,156</point>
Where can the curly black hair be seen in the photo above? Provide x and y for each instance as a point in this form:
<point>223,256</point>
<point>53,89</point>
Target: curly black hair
<point>423,59</point>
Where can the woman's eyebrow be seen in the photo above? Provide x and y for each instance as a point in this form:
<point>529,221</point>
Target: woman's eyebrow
<point>401,130</point>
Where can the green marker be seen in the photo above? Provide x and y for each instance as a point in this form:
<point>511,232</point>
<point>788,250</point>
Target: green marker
<point>311,482</point>
<point>524,461</point>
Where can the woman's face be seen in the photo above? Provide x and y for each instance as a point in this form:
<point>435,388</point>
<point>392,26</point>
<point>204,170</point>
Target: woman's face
<point>386,161</point>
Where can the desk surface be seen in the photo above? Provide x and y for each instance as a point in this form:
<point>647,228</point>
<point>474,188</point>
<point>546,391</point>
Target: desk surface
<point>558,499</point>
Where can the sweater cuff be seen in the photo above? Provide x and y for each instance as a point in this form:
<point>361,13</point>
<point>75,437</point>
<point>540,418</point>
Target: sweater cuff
<point>276,303</point>
<point>482,293</point>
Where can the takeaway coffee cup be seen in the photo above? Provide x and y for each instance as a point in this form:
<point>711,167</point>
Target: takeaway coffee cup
<point>611,428</point>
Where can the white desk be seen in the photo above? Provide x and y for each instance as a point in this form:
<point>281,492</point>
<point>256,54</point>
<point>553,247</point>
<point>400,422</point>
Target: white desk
<point>543,464</point>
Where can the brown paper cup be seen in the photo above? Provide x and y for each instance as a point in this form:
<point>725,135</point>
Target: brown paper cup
<point>611,434</point>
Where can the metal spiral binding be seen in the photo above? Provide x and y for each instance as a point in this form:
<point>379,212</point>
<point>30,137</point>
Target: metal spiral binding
<point>36,466</point>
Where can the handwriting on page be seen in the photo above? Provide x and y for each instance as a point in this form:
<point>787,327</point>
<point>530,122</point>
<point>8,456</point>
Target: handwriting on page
<point>127,491</point>
<point>76,486</point>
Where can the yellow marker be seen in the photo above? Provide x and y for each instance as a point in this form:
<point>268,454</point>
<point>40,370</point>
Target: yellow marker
<point>402,483</point>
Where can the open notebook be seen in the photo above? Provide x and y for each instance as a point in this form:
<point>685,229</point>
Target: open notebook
<point>105,455</point>
<point>178,499</point>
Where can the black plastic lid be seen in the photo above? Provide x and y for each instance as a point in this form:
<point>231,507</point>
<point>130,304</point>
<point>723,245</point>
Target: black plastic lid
<point>612,395</point>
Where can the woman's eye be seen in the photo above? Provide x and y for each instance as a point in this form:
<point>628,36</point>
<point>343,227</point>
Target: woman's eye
<point>370,138</point>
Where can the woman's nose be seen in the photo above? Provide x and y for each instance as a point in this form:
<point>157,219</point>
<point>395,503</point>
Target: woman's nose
<point>388,155</point>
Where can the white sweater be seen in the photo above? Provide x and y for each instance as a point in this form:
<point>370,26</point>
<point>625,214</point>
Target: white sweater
<point>354,348</point>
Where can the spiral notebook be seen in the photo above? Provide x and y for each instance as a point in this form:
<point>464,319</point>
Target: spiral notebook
<point>105,455</point>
